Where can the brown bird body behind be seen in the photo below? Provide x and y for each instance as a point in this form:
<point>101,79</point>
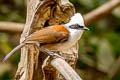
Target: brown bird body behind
<point>52,34</point>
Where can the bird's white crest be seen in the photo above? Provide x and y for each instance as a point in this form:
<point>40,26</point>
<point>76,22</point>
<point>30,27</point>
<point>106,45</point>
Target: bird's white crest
<point>76,19</point>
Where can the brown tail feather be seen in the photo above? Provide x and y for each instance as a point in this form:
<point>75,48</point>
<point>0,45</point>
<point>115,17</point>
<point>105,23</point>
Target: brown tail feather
<point>13,51</point>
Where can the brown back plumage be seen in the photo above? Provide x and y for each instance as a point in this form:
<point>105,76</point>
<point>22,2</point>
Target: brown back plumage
<point>52,34</point>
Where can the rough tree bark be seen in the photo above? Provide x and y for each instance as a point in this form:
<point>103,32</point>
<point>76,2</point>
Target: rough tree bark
<point>42,13</point>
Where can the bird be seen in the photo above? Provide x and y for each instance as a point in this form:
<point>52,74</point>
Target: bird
<point>56,37</point>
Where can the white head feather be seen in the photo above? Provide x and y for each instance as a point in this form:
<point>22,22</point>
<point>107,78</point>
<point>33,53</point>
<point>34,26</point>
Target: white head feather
<point>76,19</point>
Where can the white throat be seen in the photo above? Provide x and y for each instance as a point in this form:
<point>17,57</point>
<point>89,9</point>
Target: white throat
<point>74,36</point>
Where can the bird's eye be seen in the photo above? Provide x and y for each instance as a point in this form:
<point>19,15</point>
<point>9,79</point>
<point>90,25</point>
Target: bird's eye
<point>75,26</point>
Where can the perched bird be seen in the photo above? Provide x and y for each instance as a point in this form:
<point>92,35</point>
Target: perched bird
<point>56,37</point>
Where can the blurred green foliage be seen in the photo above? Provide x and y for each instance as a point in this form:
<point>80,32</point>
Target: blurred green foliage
<point>99,51</point>
<point>12,10</point>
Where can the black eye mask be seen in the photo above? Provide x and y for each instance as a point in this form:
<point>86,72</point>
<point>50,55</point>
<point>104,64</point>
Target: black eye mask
<point>75,26</point>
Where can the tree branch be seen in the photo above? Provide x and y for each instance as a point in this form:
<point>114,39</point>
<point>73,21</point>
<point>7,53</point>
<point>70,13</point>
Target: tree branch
<point>89,17</point>
<point>65,69</point>
<point>101,11</point>
<point>11,27</point>
<point>61,65</point>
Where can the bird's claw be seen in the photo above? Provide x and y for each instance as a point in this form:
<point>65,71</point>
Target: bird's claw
<point>50,53</point>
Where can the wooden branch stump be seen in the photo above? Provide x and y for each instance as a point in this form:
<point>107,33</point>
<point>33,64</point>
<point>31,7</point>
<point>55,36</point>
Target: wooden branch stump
<point>42,13</point>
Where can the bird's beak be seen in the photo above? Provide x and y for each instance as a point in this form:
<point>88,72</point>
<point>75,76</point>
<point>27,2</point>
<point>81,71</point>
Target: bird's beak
<point>85,28</point>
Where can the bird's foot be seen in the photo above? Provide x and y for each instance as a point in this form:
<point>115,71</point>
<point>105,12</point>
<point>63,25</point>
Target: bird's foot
<point>53,54</point>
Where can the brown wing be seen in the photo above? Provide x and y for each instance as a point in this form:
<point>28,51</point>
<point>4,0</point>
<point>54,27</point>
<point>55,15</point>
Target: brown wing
<point>48,35</point>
